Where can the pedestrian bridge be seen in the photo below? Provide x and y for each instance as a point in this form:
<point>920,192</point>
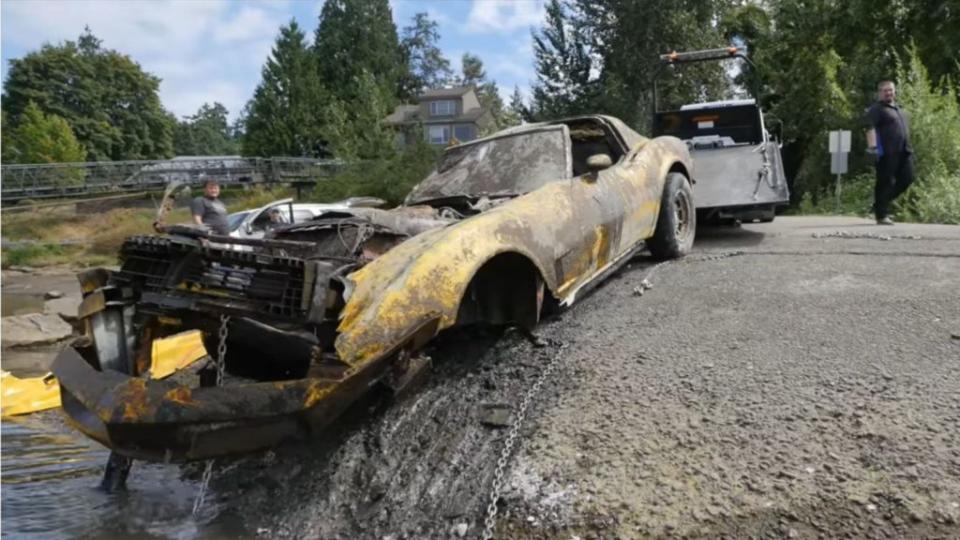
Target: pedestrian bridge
<point>66,180</point>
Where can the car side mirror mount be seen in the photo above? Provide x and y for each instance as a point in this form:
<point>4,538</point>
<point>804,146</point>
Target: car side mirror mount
<point>598,162</point>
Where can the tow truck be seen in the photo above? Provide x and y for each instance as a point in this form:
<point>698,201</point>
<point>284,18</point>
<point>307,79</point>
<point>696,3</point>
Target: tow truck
<point>738,168</point>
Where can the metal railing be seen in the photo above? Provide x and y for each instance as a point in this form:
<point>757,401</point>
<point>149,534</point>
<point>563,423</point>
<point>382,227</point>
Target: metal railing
<point>66,180</point>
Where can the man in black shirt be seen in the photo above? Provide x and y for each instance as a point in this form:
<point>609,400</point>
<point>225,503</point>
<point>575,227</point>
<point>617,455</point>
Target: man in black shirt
<point>889,136</point>
<point>209,210</point>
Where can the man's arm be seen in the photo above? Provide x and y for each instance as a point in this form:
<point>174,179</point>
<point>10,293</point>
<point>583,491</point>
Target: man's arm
<point>196,208</point>
<point>871,118</point>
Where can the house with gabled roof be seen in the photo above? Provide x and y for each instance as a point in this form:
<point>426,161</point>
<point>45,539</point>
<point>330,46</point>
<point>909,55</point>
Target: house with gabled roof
<point>446,115</point>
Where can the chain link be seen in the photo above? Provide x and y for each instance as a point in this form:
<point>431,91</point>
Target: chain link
<point>497,485</point>
<point>716,256</point>
<point>222,349</point>
<point>511,440</point>
<point>867,235</point>
<point>221,367</point>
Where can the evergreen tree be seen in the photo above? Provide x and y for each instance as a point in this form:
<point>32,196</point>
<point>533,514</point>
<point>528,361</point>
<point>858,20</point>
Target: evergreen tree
<point>358,132</point>
<point>473,74</point>
<point>564,67</point>
<point>283,118</point>
<point>516,112</point>
<point>357,36</point>
<point>627,36</point>
<point>427,66</point>
<point>111,104</point>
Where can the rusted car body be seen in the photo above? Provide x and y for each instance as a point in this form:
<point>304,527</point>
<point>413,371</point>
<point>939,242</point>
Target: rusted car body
<point>320,311</point>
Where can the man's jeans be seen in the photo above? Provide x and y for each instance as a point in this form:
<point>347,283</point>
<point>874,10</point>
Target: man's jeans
<point>894,176</point>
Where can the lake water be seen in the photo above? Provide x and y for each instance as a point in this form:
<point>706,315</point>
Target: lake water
<point>50,475</point>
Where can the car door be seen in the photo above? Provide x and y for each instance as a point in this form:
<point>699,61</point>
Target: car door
<point>603,201</point>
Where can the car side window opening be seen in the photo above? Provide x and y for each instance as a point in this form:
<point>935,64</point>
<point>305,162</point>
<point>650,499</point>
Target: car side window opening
<point>589,138</point>
<point>263,221</point>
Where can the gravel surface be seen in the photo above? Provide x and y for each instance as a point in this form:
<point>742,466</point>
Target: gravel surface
<point>807,386</point>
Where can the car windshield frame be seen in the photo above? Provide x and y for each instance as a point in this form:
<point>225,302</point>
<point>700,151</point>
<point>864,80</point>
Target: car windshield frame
<point>433,187</point>
<point>239,217</point>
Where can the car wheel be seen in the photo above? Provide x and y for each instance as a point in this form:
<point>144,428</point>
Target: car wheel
<point>677,223</point>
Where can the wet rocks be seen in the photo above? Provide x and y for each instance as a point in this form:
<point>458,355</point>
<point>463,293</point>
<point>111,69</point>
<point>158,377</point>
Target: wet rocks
<point>34,329</point>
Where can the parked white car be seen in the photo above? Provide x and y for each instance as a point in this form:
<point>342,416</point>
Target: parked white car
<point>256,222</point>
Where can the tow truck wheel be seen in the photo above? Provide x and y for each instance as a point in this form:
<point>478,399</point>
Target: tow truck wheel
<point>677,223</point>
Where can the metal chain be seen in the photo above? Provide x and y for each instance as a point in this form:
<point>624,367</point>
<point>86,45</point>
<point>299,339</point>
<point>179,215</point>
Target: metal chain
<point>222,348</point>
<point>508,445</point>
<point>221,366</point>
<point>717,256</point>
<point>871,236</point>
<point>497,485</point>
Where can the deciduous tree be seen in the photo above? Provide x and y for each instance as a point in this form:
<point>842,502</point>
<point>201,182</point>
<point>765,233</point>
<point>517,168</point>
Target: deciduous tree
<point>110,103</point>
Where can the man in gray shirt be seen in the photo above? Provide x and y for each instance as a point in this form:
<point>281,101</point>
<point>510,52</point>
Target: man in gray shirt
<point>209,210</point>
<point>889,135</point>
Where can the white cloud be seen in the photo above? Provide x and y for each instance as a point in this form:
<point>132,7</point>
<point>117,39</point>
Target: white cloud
<point>503,16</point>
<point>249,24</point>
<point>510,66</point>
<point>203,50</point>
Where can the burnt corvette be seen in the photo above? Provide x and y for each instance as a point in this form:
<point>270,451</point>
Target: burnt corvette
<point>317,312</point>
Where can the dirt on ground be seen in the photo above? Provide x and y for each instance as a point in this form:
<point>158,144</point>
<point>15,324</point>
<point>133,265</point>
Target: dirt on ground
<point>802,384</point>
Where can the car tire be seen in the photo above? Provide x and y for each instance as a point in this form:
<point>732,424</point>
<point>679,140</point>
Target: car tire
<point>677,222</point>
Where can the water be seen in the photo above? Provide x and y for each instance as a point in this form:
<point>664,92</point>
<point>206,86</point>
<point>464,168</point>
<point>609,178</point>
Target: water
<point>50,475</point>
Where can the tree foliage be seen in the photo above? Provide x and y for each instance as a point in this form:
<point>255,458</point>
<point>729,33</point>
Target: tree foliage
<point>427,67</point>
<point>284,117</point>
<point>472,73</point>
<point>41,138</point>
<point>206,133</point>
<point>603,55</point>
<point>565,83</point>
<point>389,178</point>
<point>356,37</point>
<point>109,102</point>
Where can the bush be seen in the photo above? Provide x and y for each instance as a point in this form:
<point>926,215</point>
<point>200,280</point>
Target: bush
<point>856,198</point>
<point>389,179</point>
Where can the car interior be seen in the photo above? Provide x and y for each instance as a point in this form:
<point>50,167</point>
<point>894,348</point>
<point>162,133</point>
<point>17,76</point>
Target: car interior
<point>740,123</point>
<point>590,137</point>
<point>263,220</point>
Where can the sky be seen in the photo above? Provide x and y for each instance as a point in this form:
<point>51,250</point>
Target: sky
<point>213,50</point>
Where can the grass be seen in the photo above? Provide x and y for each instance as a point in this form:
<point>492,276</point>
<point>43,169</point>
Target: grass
<point>63,237</point>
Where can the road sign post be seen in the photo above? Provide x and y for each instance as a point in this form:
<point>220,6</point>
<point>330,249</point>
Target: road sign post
<point>839,146</point>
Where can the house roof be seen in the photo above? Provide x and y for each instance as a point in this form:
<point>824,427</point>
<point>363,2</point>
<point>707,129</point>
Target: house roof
<point>455,91</point>
<point>403,114</point>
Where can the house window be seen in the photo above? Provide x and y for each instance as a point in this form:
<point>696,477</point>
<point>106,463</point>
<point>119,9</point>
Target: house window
<point>463,133</point>
<point>443,108</point>
<point>439,134</point>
